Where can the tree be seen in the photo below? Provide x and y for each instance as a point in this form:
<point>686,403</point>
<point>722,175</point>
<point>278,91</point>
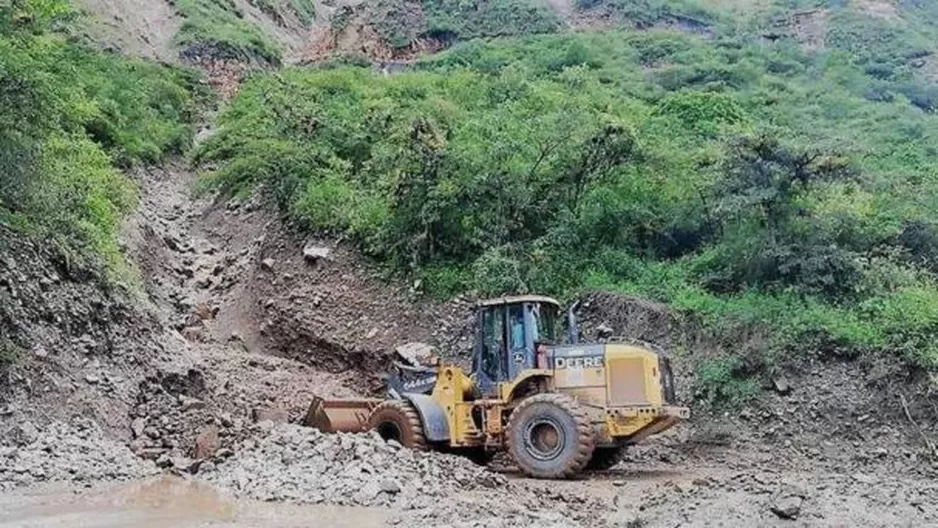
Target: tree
<point>770,237</point>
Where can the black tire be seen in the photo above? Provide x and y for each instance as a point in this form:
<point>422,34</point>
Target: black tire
<point>398,420</point>
<point>550,436</point>
<point>606,458</point>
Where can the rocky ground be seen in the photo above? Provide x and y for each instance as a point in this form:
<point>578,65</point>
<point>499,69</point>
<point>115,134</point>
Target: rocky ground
<point>78,452</point>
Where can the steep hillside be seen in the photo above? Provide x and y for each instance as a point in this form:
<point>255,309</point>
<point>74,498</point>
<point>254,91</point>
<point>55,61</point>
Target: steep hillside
<point>765,173</point>
<point>253,31</point>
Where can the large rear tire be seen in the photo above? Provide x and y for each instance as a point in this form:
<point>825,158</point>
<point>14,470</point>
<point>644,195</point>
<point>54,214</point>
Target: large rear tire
<point>606,458</point>
<point>398,420</point>
<point>550,436</point>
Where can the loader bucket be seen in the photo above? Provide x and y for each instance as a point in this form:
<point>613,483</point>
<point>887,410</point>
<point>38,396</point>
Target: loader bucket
<point>340,416</point>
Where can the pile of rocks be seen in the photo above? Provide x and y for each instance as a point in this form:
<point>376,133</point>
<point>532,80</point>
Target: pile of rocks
<point>77,452</point>
<point>295,464</point>
<point>304,465</point>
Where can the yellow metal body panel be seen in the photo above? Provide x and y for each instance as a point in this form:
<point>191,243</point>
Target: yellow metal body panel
<point>505,390</point>
<point>632,376</point>
<point>618,385</point>
<point>611,375</point>
<point>451,389</point>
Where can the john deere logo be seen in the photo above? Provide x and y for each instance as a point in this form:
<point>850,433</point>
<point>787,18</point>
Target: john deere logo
<point>580,362</point>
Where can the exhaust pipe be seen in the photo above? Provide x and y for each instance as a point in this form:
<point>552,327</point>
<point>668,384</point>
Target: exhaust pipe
<point>573,333</point>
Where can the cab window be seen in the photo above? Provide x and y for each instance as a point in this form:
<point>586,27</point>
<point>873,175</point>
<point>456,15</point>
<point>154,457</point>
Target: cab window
<point>493,339</point>
<point>516,327</point>
<point>545,324</point>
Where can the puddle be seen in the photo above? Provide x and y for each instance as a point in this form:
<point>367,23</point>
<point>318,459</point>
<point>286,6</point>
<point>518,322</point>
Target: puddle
<point>167,501</point>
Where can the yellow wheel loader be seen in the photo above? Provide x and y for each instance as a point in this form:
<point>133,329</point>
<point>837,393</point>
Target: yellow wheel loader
<point>556,407</point>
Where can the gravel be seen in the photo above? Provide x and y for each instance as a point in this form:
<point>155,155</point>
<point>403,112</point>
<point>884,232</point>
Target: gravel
<point>78,452</point>
<point>301,465</point>
<point>304,465</point>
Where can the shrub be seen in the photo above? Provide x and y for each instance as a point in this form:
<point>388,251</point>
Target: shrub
<point>305,11</point>
<point>725,382</point>
<point>11,354</point>
<point>489,18</point>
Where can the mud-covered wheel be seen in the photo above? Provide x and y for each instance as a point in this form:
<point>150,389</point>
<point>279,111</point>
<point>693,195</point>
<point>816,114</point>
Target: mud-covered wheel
<point>398,420</point>
<point>550,436</point>
<point>606,458</point>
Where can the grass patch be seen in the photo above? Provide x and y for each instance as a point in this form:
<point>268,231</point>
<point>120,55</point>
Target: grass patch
<point>220,25</point>
<point>305,11</point>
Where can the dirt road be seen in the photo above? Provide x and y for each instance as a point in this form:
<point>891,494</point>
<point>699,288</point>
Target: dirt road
<point>648,494</point>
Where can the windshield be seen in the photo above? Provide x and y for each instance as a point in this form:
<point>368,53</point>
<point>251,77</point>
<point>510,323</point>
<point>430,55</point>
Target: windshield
<point>545,323</point>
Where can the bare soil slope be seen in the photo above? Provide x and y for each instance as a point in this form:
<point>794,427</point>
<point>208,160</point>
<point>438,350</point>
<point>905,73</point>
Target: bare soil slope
<point>148,28</point>
<point>144,28</point>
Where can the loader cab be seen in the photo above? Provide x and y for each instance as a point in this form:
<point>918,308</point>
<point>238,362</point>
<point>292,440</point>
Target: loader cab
<point>508,332</point>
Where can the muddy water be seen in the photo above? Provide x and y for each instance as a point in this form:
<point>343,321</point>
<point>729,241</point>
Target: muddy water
<point>166,501</point>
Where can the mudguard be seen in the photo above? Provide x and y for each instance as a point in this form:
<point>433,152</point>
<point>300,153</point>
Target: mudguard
<point>432,416</point>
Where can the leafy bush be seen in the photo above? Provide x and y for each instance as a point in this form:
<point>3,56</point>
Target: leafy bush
<point>68,117</point>
<point>645,13</point>
<point>724,382</point>
<point>411,178</point>
<point>703,111</point>
<point>488,18</point>
<point>755,188</point>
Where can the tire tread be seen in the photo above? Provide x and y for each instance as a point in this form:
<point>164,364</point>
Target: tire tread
<point>408,418</point>
<point>586,441</point>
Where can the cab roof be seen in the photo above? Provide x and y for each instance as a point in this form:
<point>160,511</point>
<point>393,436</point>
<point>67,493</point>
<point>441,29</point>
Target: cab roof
<point>516,299</point>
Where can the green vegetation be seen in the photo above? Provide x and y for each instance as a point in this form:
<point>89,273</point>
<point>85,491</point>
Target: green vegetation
<point>305,11</point>
<point>451,19</point>
<point>401,22</point>
<point>10,353</point>
<point>268,8</point>
<point>219,25</point>
<point>645,13</point>
<point>757,187</point>
<point>726,381</point>
<point>69,118</point>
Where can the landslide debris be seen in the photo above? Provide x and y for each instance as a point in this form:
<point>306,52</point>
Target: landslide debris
<point>77,452</point>
<point>75,344</point>
<point>301,465</point>
<point>305,465</point>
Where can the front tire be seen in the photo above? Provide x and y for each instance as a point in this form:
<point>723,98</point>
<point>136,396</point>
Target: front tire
<point>398,420</point>
<point>550,436</point>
